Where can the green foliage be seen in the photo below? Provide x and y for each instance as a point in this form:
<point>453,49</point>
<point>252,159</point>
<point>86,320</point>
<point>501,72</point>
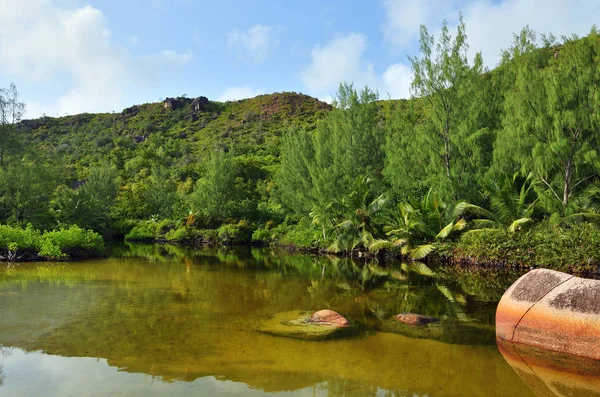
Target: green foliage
<point>180,234</point>
<point>142,231</point>
<point>235,234</point>
<point>409,176</point>
<point>90,205</point>
<point>551,121</point>
<point>450,140</point>
<point>25,193</point>
<point>72,242</point>
<point>559,248</point>
<point>318,167</point>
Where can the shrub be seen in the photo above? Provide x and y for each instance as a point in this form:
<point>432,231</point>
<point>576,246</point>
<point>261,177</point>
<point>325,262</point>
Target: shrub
<point>574,248</point>
<point>262,235</point>
<point>73,242</point>
<point>141,232</point>
<point>235,234</point>
<point>180,234</point>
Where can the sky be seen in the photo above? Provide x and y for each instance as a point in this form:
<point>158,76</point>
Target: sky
<point>73,56</point>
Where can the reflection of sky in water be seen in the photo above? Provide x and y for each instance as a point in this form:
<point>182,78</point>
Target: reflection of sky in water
<point>38,374</point>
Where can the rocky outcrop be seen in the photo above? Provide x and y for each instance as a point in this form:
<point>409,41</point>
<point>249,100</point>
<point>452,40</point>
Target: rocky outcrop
<point>415,319</point>
<point>552,310</point>
<point>199,103</point>
<point>321,325</point>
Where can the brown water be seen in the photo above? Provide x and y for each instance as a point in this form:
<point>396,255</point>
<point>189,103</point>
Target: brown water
<point>164,321</point>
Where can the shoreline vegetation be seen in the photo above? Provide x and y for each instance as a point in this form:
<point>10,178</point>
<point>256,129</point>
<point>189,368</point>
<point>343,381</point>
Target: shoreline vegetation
<point>480,168</point>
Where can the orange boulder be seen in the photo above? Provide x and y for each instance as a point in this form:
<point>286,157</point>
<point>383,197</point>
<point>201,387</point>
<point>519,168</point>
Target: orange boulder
<point>552,310</point>
<point>329,317</point>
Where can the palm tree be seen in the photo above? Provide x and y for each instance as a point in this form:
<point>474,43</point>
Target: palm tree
<point>512,204</point>
<point>416,229</point>
<point>357,224</point>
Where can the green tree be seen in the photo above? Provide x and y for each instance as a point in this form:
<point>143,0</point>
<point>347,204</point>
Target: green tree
<point>25,192</point>
<point>216,194</point>
<point>11,112</point>
<point>90,205</point>
<point>449,142</point>
<point>321,166</point>
<point>552,119</point>
<point>153,196</point>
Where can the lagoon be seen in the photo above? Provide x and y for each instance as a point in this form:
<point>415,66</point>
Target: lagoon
<point>162,320</point>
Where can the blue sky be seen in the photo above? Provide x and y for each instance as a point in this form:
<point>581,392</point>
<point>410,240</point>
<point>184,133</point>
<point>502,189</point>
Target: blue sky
<point>72,56</point>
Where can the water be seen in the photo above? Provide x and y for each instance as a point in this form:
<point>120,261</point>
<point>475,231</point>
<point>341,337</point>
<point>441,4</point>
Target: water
<point>159,320</point>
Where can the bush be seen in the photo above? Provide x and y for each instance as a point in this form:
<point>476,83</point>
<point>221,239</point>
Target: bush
<point>301,235</point>
<point>141,232</point>
<point>574,248</point>
<point>75,242</point>
<point>180,234</point>
<point>235,234</point>
<point>29,243</point>
<point>262,235</point>
<point>163,227</point>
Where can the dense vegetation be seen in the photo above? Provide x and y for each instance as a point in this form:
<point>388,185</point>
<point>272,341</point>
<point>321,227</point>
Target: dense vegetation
<point>479,165</point>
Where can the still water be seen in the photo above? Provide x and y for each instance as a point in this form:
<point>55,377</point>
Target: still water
<point>160,320</point>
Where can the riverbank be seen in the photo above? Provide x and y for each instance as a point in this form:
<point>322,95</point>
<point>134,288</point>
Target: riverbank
<point>573,249</point>
<point>29,244</point>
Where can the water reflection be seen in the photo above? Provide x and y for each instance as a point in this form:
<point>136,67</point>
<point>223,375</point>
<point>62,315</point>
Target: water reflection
<point>182,318</point>
<point>553,374</point>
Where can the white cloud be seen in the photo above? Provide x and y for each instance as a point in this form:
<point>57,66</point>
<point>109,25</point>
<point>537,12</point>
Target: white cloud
<point>490,24</point>
<point>338,61</point>
<point>235,93</point>
<point>257,43</point>
<point>403,18</point>
<point>341,61</point>
<point>47,44</point>
<point>396,81</point>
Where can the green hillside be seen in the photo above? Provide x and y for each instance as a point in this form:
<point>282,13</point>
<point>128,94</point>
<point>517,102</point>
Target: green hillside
<point>479,161</point>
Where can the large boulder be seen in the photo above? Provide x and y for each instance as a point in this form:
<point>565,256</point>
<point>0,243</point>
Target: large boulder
<point>552,310</point>
<point>321,325</point>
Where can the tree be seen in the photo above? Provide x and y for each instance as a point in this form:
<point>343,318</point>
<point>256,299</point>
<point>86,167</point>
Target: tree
<point>25,191</point>
<point>88,206</point>
<point>321,166</point>
<point>216,194</point>
<point>552,119</point>
<point>11,111</point>
<point>449,138</point>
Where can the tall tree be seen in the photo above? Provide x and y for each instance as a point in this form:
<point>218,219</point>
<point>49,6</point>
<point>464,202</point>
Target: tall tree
<point>11,112</point>
<point>449,138</point>
<point>552,120</point>
<point>321,166</point>
<point>90,205</point>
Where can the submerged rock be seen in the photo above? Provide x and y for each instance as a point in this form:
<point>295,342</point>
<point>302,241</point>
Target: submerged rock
<point>321,325</point>
<point>329,317</point>
<point>415,319</point>
<point>451,331</point>
<point>552,310</point>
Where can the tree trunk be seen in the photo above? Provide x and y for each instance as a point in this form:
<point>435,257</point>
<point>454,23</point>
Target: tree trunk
<point>567,186</point>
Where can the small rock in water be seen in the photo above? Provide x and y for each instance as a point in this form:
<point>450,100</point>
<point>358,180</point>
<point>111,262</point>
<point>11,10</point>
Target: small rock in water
<point>415,319</point>
<point>329,317</point>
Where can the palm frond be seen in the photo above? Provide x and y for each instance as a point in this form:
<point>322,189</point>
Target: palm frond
<point>421,251</point>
